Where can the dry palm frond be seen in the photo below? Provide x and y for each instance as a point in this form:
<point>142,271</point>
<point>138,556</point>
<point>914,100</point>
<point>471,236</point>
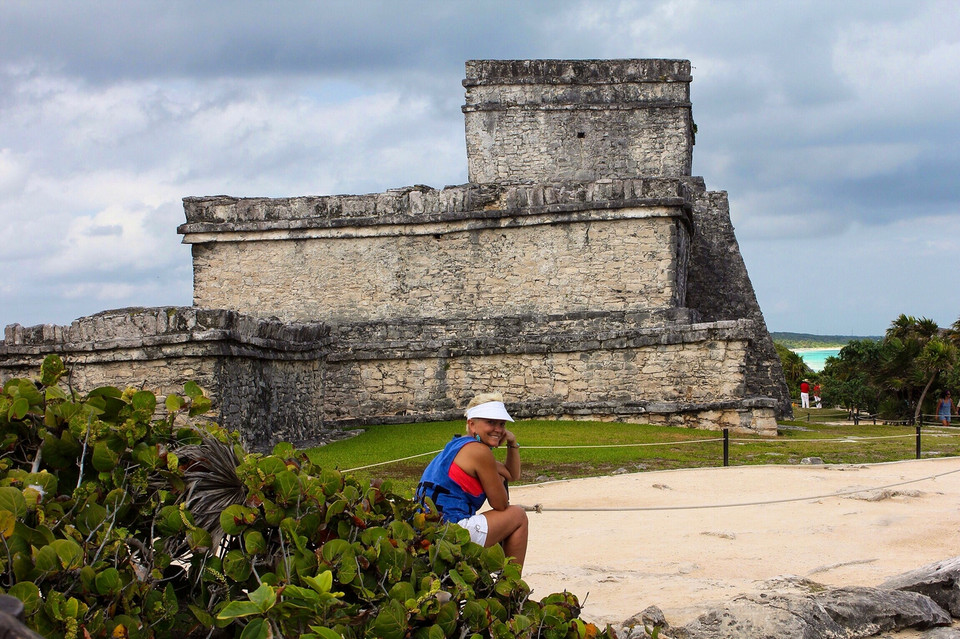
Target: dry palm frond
<point>210,472</point>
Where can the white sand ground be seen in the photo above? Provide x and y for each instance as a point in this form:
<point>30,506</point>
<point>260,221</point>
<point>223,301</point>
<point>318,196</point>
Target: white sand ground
<point>688,560</point>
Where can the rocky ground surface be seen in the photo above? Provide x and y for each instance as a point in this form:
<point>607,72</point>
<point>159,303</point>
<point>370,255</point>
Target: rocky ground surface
<point>758,551</point>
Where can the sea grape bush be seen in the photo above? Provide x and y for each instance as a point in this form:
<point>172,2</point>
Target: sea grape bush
<point>118,523</point>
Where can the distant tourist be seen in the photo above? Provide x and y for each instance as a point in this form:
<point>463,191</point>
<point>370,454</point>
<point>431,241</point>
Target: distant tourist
<point>805,394</point>
<point>465,474</point>
<point>945,409</point>
<point>816,395</point>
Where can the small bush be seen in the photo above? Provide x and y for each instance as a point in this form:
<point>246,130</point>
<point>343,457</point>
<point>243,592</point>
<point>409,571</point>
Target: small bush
<point>116,523</point>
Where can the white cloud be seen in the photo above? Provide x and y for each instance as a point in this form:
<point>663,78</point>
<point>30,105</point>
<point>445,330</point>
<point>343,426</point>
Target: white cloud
<point>831,125</point>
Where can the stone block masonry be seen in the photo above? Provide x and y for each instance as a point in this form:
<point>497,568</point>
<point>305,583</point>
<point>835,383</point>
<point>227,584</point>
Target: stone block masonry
<point>545,120</point>
<point>263,375</point>
<point>460,252</point>
<point>582,271</point>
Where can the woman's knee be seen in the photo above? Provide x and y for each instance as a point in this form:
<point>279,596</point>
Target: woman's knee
<point>518,513</point>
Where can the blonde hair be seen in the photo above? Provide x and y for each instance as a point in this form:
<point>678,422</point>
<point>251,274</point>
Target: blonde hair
<point>482,398</point>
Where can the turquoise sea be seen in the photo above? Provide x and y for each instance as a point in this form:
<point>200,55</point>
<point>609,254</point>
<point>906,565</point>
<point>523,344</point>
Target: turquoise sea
<point>815,358</point>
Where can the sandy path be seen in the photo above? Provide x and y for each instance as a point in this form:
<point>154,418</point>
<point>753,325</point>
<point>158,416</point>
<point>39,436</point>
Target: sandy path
<point>688,560</point>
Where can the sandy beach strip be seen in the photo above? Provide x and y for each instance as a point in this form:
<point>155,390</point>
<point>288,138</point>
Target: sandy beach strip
<point>688,540</point>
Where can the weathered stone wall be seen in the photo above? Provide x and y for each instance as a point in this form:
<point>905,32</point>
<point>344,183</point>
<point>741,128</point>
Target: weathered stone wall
<point>298,382</point>
<point>616,245</point>
<point>582,272</point>
<point>571,366</point>
<point>547,120</point>
<point>719,288</point>
<point>264,376</point>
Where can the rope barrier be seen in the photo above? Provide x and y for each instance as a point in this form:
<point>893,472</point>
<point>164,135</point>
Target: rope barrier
<point>392,461</point>
<point>539,508</point>
<point>849,439</point>
<point>684,441</point>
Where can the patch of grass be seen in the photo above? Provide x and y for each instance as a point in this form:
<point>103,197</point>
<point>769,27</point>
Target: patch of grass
<point>603,448</point>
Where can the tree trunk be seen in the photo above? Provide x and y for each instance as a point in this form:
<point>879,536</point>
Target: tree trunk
<point>916,414</point>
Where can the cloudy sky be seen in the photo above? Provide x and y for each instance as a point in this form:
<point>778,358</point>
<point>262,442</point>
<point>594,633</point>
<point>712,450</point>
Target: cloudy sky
<point>833,125</point>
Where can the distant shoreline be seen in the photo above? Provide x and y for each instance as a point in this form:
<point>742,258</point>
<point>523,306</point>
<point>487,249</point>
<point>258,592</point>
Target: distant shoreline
<point>817,348</point>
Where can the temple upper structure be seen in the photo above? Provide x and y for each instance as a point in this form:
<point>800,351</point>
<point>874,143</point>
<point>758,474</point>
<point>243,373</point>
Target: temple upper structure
<point>582,271</point>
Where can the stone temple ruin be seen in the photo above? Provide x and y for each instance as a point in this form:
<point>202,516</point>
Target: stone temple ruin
<point>582,271</point>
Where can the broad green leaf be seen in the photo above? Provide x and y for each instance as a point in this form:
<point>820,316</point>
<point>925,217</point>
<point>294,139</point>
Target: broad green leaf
<point>204,617</point>
<point>108,581</point>
<point>51,370</point>
<point>69,553</point>
<point>104,459</point>
<point>192,389</point>
<point>19,409</point>
<point>265,597</point>
<point>169,521</point>
<point>325,633</point>
<point>144,401</point>
<point>29,594</point>
<point>284,450</point>
<point>447,618</point>
<point>46,561</point>
<point>173,403</point>
<point>391,622</point>
<point>235,518</point>
<point>287,485</point>
<point>46,481</point>
<point>254,542</point>
<point>61,452</point>
<point>11,499</point>
<point>271,465</point>
<point>322,583</point>
<point>257,629</point>
<point>236,566</point>
<point>8,522</point>
<point>53,392</point>
<point>236,609</point>
<point>199,539</point>
<point>200,406</point>
<point>147,455</point>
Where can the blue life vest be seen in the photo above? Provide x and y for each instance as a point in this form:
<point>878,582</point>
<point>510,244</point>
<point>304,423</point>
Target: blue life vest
<point>451,499</point>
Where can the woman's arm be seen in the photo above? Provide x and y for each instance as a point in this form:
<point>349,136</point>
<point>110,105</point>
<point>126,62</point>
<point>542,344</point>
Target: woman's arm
<point>512,463</point>
<point>478,459</point>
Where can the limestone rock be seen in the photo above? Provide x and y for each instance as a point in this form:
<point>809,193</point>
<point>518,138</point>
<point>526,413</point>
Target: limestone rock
<point>839,612</point>
<point>642,624</point>
<point>940,581</point>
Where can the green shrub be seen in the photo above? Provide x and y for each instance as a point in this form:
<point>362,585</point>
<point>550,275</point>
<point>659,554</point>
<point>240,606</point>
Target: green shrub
<point>117,523</point>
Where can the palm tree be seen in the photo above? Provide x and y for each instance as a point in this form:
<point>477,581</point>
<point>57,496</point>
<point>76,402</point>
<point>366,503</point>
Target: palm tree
<point>921,354</point>
<point>938,355</point>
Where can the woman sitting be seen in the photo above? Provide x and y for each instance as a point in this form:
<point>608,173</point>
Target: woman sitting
<point>466,474</point>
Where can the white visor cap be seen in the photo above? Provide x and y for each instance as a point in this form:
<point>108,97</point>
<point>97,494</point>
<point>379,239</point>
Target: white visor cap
<point>489,410</point>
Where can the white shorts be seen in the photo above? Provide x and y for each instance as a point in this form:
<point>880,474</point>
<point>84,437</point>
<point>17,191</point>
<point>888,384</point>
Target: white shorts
<point>477,525</point>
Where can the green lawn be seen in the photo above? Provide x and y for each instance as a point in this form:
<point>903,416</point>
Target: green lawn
<point>600,448</point>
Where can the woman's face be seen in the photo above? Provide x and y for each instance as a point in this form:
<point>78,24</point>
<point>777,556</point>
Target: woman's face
<point>489,431</point>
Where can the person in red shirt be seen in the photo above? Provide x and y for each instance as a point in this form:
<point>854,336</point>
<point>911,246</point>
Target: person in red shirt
<point>805,394</point>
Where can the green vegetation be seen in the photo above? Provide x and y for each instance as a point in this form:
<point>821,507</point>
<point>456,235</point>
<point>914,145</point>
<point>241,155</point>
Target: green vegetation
<point>630,447</point>
<point>794,369</point>
<point>117,524</point>
<point>807,340</point>
<point>898,377</point>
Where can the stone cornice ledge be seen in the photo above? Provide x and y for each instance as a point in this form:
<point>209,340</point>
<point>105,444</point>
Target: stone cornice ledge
<point>152,329</point>
<point>451,208</point>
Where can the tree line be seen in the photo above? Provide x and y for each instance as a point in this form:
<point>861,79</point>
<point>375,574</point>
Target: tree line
<point>898,377</point>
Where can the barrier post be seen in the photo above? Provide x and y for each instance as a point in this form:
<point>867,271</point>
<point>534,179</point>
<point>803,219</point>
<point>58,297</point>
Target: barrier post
<point>918,442</point>
<point>726,446</point>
